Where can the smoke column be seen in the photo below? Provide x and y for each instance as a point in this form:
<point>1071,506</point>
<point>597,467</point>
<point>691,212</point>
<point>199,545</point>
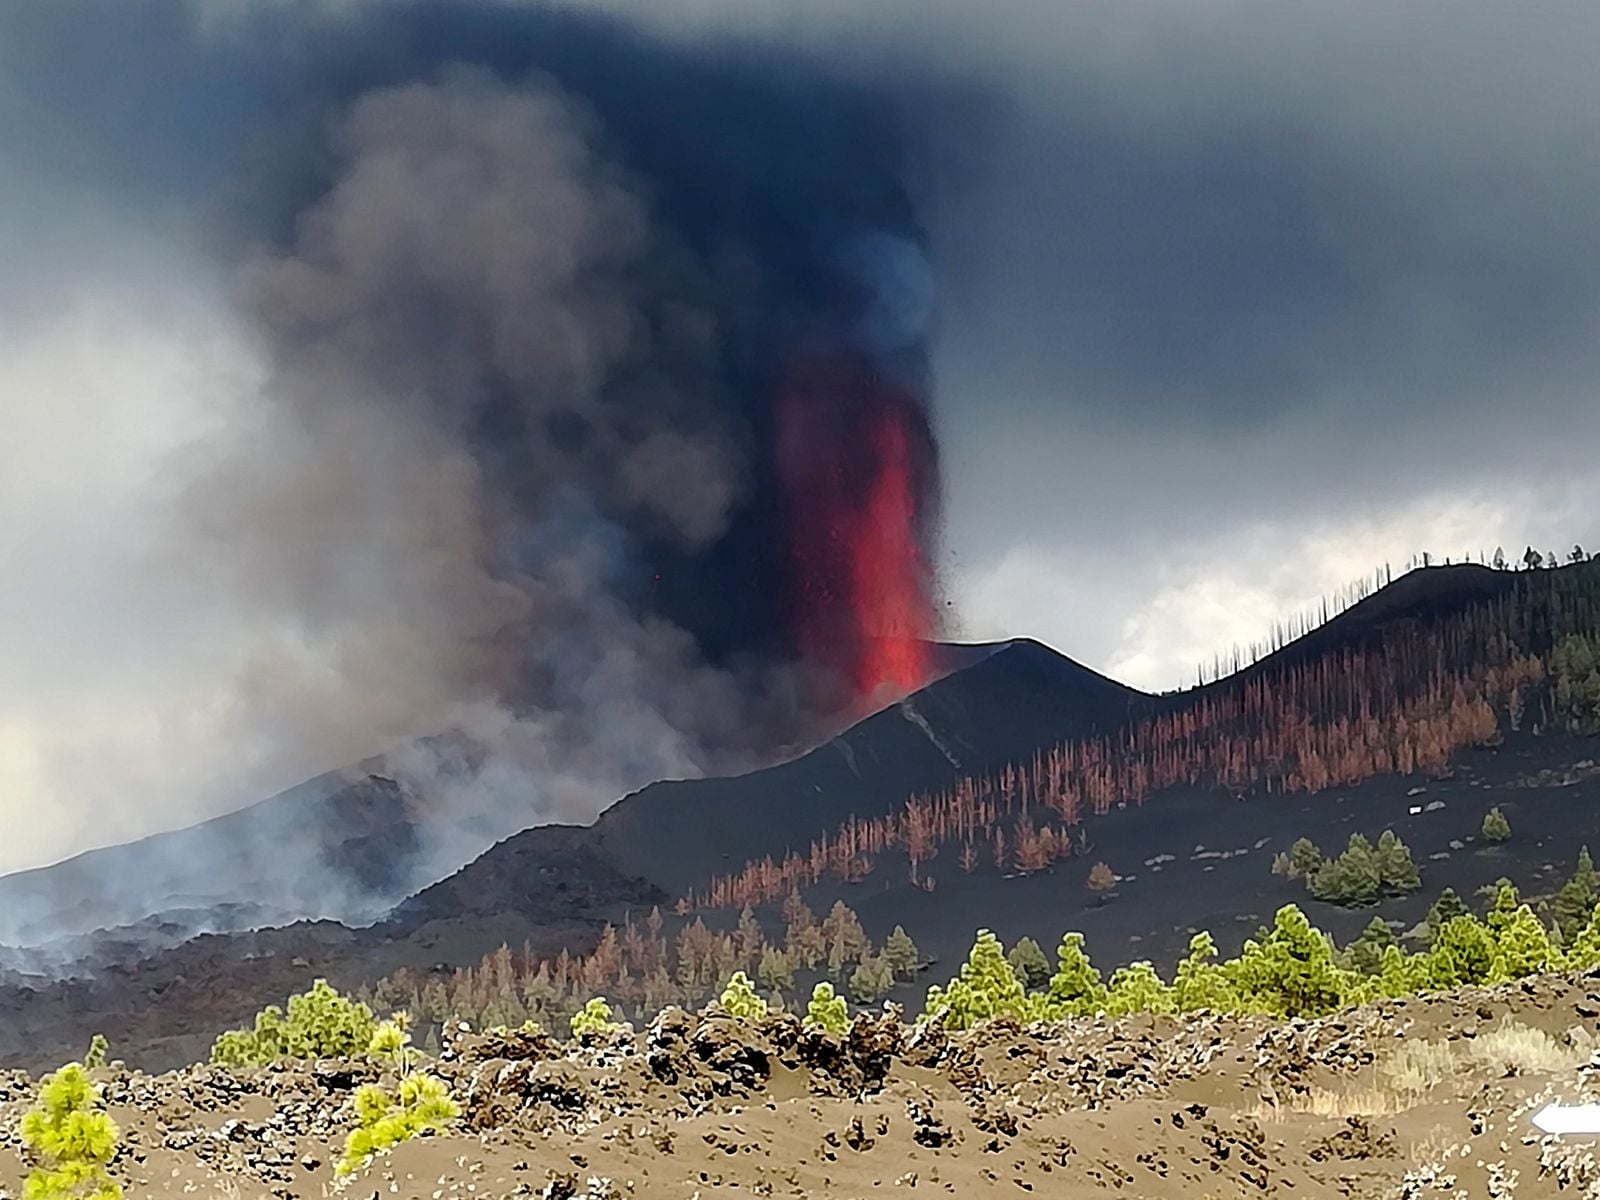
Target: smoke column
<point>585,418</point>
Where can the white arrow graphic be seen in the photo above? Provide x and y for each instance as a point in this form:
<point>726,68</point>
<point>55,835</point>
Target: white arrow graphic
<point>1568,1118</point>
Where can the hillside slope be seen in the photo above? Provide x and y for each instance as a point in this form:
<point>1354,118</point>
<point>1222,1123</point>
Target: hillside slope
<point>350,844</point>
<point>556,887</point>
<point>677,832</point>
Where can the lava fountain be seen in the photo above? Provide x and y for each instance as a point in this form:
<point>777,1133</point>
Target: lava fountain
<point>858,469</point>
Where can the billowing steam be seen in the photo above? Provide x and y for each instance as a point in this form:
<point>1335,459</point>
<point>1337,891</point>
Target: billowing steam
<point>591,427</point>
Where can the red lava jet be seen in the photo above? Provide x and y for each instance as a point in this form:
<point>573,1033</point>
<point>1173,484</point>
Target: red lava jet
<point>858,470</point>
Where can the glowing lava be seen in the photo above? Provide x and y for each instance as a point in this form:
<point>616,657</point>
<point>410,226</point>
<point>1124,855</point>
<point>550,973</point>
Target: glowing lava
<point>856,458</point>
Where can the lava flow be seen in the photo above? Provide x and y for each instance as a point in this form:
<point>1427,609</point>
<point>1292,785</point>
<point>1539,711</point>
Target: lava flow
<point>857,462</point>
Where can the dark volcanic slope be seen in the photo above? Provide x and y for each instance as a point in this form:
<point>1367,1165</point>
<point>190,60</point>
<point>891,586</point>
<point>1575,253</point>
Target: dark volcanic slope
<point>349,845</point>
<point>1011,704</point>
<point>1420,596</point>
<point>676,833</point>
<point>274,855</point>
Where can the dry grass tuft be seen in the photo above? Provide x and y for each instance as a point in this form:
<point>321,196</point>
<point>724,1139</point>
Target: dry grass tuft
<point>1405,1078</point>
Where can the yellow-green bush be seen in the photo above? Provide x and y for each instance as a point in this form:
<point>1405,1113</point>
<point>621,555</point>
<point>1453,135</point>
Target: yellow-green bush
<point>739,999</point>
<point>827,1011</point>
<point>73,1138</point>
<point>593,1019</point>
<point>986,988</point>
<point>383,1120</point>
<point>320,1024</point>
<point>1288,970</point>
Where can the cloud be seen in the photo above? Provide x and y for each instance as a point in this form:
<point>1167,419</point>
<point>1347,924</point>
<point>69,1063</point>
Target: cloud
<point>1206,598</point>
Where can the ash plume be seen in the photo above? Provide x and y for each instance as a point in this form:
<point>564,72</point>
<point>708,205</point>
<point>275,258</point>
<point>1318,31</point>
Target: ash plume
<point>521,292</point>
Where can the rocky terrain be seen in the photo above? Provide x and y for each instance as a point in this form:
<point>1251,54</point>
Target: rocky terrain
<point>1419,1097</point>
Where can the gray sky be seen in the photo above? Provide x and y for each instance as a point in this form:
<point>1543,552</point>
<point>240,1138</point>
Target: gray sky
<point>1238,300</point>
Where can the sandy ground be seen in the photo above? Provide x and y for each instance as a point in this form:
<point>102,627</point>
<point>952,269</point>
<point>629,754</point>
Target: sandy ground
<point>702,1106</point>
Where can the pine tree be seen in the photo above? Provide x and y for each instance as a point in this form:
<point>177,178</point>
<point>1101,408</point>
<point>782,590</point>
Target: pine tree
<point>739,999</point>
<point>1463,952</point>
<point>1077,986</point>
<point>1495,826</point>
<point>776,971</point>
<point>1201,982</point>
<point>1304,859</point>
<point>1584,952</point>
<point>986,988</point>
<point>593,1020</point>
<point>1446,908</point>
<point>1366,952</point>
<point>73,1139</point>
<point>1503,907</point>
<point>871,981</point>
<point>422,1104</point>
<point>1397,873</point>
<point>1400,974</point>
<point>1136,988</point>
<point>320,1024</point>
<point>1291,971</point>
<point>1522,947</point>
<point>1577,897</point>
<point>1028,961</point>
<point>827,1011</point>
<point>749,939</point>
<point>900,952</point>
<point>1359,870</point>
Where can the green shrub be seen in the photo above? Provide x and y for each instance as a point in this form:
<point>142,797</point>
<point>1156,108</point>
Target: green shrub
<point>320,1024</point>
<point>384,1120</point>
<point>827,1011</point>
<point>73,1138</point>
<point>739,999</point>
<point>1495,826</point>
<point>96,1057</point>
<point>593,1020</point>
